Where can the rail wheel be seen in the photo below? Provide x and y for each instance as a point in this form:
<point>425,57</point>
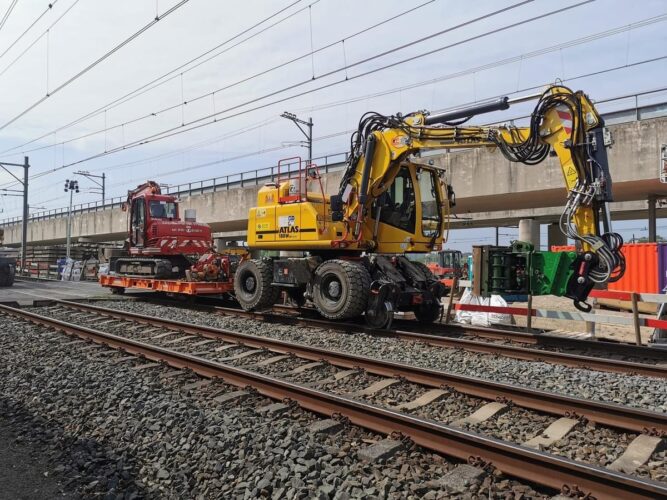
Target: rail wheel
<point>380,317</point>
<point>296,296</point>
<point>428,312</point>
<point>341,289</point>
<point>252,284</point>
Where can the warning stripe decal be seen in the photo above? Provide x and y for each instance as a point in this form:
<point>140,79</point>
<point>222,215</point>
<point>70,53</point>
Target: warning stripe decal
<point>566,118</point>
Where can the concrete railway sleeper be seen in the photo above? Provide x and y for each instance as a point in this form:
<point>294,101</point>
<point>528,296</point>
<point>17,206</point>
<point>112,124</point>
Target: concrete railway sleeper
<point>520,461</point>
<point>444,405</point>
<point>444,338</point>
<point>535,347</point>
<point>615,357</point>
<point>164,330</point>
<point>543,339</point>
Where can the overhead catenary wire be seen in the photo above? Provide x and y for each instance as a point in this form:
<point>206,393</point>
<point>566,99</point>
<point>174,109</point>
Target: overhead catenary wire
<point>538,157</point>
<point>7,13</point>
<point>503,62</point>
<point>190,148</point>
<point>95,63</point>
<point>422,39</point>
<point>222,160</point>
<point>324,137</point>
<point>196,145</point>
<point>569,79</point>
<point>49,7</point>
<point>196,123</point>
<point>478,68</point>
<point>174,72</point>
<point>238,82</point>
<point>345,67</point>
<point>276,148</point>
<point>32,44</point>
<point>522,90</point>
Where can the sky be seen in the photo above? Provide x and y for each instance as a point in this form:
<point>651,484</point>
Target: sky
<point>202,117</point>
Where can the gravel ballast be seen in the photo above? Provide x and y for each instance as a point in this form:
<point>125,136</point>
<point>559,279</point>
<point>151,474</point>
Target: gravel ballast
<point>631,390</point>
<point>109,430</point>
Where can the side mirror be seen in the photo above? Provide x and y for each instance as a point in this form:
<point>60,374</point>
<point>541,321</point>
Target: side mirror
<point>123,207</point>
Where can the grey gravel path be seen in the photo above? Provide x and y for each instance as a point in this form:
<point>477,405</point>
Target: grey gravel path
<point>112,431</point>
<point>631,390</point>
<point>24,472</point>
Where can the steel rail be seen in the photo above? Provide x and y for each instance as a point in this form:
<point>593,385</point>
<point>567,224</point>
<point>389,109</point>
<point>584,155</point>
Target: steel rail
<point>531,338</point>
<point>545,339</point>
<point>443,338</point>
<point>437,338</point>
<point>283,313</point>
<point>514,460</point>
<point>610,414</point>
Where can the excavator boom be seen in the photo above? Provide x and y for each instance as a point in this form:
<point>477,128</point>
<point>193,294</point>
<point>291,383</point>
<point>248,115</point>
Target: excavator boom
<point>564,123</point>
<point>391,202</point>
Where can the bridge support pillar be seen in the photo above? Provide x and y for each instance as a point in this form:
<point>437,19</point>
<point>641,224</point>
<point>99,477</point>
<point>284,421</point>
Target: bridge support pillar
<point>529,230</point>
<point>555,236</point>
<point>652,227</point>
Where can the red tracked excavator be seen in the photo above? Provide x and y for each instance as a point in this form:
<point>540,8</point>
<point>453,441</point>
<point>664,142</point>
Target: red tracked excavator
<point>166,253</point>
<point>160,244</point>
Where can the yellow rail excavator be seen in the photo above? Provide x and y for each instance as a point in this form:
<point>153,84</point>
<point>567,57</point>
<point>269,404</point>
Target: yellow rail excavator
<point>351,246</point>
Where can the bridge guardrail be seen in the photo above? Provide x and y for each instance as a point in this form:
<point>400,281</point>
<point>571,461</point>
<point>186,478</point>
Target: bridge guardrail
<point>326,164</point>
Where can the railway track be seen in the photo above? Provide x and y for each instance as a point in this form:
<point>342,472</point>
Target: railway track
<point>213,352</point>
<point>603,356</point>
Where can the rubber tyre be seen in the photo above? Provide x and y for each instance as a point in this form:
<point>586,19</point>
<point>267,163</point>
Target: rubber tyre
<point>352,282</point>
<point>426,271</point>
<point>252,285</point>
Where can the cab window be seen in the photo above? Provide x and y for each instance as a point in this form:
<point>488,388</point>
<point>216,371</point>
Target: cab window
<point>431,215</point>
<point>162,209</point>
<point>397,204</point>
<point>139,212</point>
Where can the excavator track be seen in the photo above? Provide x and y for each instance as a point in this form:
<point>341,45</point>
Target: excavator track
<point>147,267</point>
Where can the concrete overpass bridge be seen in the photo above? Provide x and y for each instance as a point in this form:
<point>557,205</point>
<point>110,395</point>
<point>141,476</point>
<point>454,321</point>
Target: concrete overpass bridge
<point>491,191</point>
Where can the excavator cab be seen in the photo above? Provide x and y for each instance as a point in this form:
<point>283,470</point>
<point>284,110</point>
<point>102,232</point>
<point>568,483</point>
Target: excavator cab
<point>409,214</point>
<point>446,264</point>
<point>146,209</point>
<point>163,209</point>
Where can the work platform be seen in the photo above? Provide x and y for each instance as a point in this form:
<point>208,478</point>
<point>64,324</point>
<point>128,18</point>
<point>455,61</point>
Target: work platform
<point>116,283</point>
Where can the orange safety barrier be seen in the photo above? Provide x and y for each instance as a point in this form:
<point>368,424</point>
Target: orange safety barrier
<point>635,320</point>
